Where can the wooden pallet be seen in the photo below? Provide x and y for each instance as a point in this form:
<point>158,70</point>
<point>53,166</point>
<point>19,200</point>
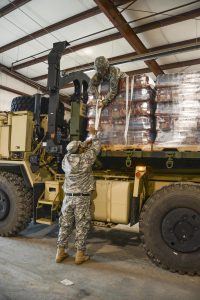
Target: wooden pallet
<point>136,147</point>
<point>185,148</point>
<point>151,147</point>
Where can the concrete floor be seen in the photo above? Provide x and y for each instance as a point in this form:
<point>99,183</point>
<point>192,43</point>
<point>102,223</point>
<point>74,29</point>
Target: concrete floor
<point>118,269</point>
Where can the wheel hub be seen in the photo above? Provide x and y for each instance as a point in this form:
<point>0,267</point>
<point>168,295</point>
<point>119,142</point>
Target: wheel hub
<point>181,229</point>
<point>4,205</point>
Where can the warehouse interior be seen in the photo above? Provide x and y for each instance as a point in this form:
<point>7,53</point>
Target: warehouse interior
<point>154,37</point>
<point>169,31</point>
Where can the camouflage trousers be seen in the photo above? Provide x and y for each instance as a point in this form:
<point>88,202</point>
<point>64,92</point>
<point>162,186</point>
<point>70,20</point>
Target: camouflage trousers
<point>75,214</point>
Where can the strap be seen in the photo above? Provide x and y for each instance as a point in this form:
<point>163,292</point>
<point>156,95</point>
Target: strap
<point>128,108</point>
<point>97,116</point>
<point>78,194</point>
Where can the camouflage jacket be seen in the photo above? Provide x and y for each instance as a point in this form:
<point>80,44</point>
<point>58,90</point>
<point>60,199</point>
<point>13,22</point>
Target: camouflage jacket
<point>113,75</point>
<point>78,169</point>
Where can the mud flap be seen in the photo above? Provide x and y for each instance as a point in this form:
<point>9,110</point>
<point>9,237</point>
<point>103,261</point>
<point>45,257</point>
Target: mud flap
<point>135,204</point>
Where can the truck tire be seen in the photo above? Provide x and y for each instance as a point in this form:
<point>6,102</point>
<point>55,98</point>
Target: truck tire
<point>15,204</point>
<point>170,227</point>
<point>28,103</point>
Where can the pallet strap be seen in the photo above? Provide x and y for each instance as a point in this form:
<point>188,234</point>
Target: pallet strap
<point>128,108</point>
<point>97,116</point>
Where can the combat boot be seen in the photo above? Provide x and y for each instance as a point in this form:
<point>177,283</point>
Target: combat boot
<point>61,254</point>
<point>81,257</point>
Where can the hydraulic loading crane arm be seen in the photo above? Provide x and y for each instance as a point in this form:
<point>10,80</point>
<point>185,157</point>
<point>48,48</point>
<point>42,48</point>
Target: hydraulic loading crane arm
<point>55,83</point>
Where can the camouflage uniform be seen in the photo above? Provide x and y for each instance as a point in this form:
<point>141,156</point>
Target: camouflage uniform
<point>76,209</point>
<point>105,72</point>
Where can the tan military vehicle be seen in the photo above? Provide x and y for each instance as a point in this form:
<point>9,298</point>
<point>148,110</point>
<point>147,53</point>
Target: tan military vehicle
<point>160,190</point>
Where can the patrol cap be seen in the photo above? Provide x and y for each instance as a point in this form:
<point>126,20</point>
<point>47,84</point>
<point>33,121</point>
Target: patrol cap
<point>101,63</point>
<point>72,147</point>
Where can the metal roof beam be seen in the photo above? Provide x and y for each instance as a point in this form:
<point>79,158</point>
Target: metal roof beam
<point>22,78</point>
<point>70,50</point>
<point>115,36</point>
<point>179,64</point>
<point>56,26</point>
<point>127,32</point>
<point>120,58</point>
<point>8,89</point>
<point>120,2</point>
<point>169,21</point>
<point>12,6</point>
<point>28,81</point>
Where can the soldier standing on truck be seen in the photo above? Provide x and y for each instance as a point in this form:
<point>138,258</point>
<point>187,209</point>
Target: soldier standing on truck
<point>105,72</point>
<point>78,186</point>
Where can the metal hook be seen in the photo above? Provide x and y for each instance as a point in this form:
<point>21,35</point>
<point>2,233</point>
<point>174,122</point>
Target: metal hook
<point>170,162</point>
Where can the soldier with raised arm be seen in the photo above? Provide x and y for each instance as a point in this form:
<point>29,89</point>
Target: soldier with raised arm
<point>78,186</point>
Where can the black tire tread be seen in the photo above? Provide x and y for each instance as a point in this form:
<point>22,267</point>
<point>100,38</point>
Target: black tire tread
<point>24,202</point>
<point>23,103</point>
<point>143,223</point>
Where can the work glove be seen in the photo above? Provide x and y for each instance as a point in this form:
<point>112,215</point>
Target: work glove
<point>100,103</point>
<point>104,103</point>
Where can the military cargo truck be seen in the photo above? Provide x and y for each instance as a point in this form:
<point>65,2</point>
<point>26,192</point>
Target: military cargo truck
<point>160,189</point>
